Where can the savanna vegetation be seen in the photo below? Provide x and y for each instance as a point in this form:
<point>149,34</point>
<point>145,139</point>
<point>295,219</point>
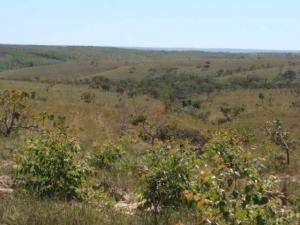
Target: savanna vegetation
<point>92,135</point>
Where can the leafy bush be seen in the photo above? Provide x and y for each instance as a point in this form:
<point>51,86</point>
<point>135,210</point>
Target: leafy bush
<point>33,95</point>
<point>286,79</point>
<point>288,75</point>
<point>171,131</point>
<point>101,82</point>
<point>190,103</point>
<point>13,111</point>
<point>231,188</point>
<point>49,165</point>
<point>246,135</point>
<point>231,112</point>
<point>295,103</point>
<point>261,96</point>
<point>168,174</point>
<point>107,155</point>
<point>88,97</point>
<point>139,119</point>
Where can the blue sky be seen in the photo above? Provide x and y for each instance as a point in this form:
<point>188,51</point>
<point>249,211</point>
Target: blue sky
<point>248,24</point>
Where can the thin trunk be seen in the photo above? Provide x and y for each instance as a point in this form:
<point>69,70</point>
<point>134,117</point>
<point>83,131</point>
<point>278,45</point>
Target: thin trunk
<point>287,156</point>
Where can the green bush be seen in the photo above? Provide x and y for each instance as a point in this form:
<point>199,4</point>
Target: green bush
<point>168,174</point>
<point>48,165</point>
<point>107,155</point>
<point>88,97</point>
<point>171,131</point>
<point>231,112</point>
<point>232,189</point>
<point>14,109</point>
<point>190,103</point>
<point>288,75</point>
<point>139,119</point>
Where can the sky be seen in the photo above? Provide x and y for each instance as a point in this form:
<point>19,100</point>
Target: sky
<point>241,24</point>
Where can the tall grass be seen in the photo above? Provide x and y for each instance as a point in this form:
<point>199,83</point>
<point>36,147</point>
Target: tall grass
<point>20,210</point>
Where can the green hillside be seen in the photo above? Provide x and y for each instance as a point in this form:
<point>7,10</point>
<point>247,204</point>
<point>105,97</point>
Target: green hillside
<point>94,135</point>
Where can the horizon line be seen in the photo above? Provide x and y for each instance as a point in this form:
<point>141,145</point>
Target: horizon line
<point>205,49</point>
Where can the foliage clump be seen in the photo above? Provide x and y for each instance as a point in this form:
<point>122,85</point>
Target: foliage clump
<point>225,184</point>
<point>172,131</point>
<point>168,173</point>
<point>231,112</point>
<point>13,111</point>
<point>88,97</point>
<point>164,131</point>
<point>232,189</point>
<point>192,104</point>
<point>49,165</point>
<point>280,137</point>
<point>106,155</point>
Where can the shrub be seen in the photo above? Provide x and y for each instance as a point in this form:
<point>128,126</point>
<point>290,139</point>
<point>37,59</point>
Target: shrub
<point>33,95</point>
<point>246,135</point>
<point>231,112</point>
<point>288,75</point>
<point>101,82</point>
<point>222,120</point>
<point>286,79</point>
<point>48,165</point>
<point>261,96</point>
<point>295,103</point>
<point>13,111</point>
<point>107,155</point>
<point>139,119</point>
<point>88,97</point>
<point>190,103</point>
<point>171,131</point>
<point>231,188</point>
<point>168,174</point>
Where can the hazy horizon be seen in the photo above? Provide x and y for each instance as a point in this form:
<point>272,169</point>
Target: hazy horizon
<point>193,24</point>
<point>229,50</point>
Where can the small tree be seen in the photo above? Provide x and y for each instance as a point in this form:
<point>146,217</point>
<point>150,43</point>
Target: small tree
<point>261,96</point>
<point>288,75</point>
<point>280,137</point>
<point>13,111</point>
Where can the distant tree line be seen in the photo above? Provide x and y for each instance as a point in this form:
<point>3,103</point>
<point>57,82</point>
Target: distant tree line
<point>182,86</point>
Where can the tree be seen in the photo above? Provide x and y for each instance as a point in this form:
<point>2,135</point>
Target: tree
<point>13,111</point>
<point>280,137</point>
<point>261,96</point>
<point>289,75</point>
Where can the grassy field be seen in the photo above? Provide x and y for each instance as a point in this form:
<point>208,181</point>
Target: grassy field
<point>51,73</point>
